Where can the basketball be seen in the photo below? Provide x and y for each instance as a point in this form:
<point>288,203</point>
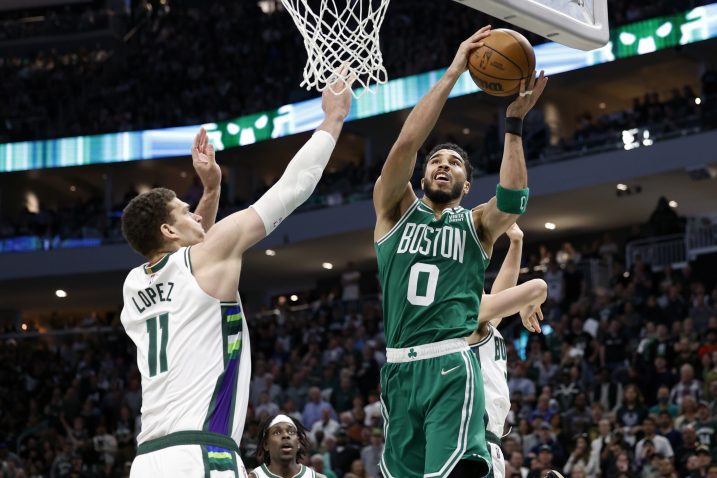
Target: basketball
<point>506,58</point>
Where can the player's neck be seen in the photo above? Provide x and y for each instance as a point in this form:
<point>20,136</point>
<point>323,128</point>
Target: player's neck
<point>157,256</point>
<point>438,208</point>
<point>284,470</point>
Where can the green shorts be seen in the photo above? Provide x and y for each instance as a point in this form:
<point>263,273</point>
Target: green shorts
<point>433,411</point>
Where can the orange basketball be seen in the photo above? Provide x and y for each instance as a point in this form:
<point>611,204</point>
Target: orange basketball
<point>505,59</point>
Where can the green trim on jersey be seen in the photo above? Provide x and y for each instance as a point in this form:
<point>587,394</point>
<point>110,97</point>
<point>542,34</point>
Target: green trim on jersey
<point>268,472</point>
<point>187,438</point>
<point>205,461</point>
<point>188,259</point>
<point>485,339</point>
<point>150,269</point>
<point>432,276</point>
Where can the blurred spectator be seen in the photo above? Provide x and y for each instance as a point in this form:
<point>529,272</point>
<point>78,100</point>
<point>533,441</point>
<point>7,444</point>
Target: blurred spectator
<point>314,409</point>
<point>687,386</point>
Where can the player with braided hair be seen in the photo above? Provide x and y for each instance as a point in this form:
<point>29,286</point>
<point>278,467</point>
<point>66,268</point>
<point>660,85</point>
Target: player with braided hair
<point>282,443</point>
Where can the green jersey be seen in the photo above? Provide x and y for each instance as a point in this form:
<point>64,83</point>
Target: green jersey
<point>432,273</point>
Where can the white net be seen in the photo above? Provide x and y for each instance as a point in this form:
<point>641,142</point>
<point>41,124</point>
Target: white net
<point>336,33</point>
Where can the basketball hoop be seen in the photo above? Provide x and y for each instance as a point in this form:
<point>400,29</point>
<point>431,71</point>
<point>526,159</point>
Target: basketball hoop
<point>336,33</point>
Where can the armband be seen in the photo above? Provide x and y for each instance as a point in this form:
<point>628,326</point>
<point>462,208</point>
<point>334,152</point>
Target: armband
<point>511,201</point>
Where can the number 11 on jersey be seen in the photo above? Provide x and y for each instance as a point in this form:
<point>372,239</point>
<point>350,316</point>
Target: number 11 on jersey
<point>152,354</point>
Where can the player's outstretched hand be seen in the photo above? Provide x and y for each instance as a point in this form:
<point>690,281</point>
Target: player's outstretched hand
<point>514,233</point>
<point>530,91</point>
<point>460,62</point>
<point>338,105</point>
<point>531,315</point>
<point>204,161</point>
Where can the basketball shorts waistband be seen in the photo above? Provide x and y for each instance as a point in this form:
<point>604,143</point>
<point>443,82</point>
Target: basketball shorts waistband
<point>426,351</point>
<point>188,438</point>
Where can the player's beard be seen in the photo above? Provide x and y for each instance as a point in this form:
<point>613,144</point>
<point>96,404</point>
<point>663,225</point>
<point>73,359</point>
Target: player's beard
<point>439,196</point>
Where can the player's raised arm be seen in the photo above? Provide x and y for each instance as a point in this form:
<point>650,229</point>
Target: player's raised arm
<point>525,299</point>
<point>392,186</point>
<point>210,174</point>
<point>510,269</point>
<point>229,238</point>
<point>511,197</point>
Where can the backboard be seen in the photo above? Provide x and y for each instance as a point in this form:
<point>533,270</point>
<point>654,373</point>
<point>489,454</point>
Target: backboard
<point>581,24</point>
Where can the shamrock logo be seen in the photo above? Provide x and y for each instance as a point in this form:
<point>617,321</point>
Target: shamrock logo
<point>412,353</point>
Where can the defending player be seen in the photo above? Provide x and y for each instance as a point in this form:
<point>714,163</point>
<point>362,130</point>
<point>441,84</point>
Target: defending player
<point>432,255</point>
<point>182,308</point>
<point>282,443</point>
<point>490,346</point>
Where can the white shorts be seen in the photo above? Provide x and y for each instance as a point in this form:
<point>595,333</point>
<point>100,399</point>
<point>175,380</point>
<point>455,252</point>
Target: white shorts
<point>498,461</point>
<point>187,460</point>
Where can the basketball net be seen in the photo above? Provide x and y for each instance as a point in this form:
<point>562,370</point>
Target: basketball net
<point>340,32</point>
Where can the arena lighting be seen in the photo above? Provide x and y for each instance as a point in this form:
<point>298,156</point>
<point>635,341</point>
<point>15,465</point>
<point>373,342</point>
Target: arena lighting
<point>23,326</point>
<point>550,225</point>
<point>60,293</point>
<point>327,265</point>
<point>698,101</point>
<point>673,204</point>
<point>622,187</point>
<point>294,297</point>
<point>630,40</point>
<point>270,252</point>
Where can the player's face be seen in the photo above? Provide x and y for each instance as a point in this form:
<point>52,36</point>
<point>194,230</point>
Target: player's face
<point>186,226</point>
<point>445,178</point>
<point>283,443</point>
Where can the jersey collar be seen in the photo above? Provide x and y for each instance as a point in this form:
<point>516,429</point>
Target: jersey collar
<point>150,269</point>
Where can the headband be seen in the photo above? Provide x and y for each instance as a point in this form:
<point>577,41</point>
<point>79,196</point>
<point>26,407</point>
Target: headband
<point>281,419</point>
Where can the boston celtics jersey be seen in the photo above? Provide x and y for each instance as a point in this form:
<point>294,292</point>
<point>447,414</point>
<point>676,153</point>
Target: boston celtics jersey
<point>431,271</point>
<point>264,472</point>
<point>493,358</point>
<point>192,351</point>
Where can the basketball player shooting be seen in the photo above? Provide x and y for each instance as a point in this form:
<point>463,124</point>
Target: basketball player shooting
<point>432,254</point>
<point>182,308</point>
<point>282,443</point>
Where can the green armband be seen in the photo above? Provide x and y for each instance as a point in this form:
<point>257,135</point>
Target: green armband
<point>512,201</point>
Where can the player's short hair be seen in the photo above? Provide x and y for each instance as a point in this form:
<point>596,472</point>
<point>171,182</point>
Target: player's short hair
<point>453,147</point>
<point>263,458</point>
<point>142,218</point>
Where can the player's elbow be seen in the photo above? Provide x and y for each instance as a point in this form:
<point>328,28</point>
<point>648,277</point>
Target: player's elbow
<point>539,289</point>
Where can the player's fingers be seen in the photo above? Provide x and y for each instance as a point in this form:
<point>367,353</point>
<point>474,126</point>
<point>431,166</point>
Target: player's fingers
<point>533,81</point>
<point>522,87</point>
<point>540,313</point>
<point>481,33</point>
<point>195,145</point>
<point>210,152</point>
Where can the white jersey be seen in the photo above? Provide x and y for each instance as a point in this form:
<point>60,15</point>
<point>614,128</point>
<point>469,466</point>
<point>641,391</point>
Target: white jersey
<point>264,472</point>
<point>493,358</point>
<point>192,351</point>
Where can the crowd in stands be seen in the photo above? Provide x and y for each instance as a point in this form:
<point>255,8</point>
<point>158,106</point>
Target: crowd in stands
<point>68,18</point>
<point>623,383</point>
<point>188,62</point>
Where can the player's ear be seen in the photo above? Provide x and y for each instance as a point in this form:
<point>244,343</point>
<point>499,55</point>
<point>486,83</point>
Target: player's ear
<point>422,181</point>
<point>466,187</point>
<point>167,231</point>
